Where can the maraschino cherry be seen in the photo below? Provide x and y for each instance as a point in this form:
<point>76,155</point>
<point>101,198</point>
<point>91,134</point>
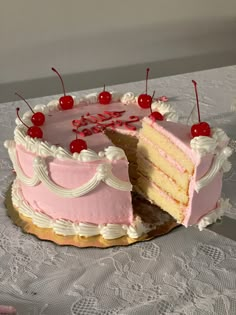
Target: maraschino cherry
<point>202,128</point>
<point>34,131</point>
<point>155,115</point>
<point>66,101</point>
<point>145,100</point>
<point>77,145</point>
<point>104,97</point>
<point>37,118</point>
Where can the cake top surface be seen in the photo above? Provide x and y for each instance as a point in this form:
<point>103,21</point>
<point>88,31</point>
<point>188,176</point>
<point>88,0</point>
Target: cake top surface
<point>87,120</point>
<point>90,120</point>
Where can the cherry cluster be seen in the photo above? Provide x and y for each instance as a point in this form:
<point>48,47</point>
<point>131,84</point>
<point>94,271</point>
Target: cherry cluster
<point>104,98</point>
<point>37,119</point>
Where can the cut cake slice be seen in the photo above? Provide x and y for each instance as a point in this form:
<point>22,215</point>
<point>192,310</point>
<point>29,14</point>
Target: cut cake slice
<point>181,174</point>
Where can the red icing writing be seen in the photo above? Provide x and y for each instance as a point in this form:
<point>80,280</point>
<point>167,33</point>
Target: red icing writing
<point>93,119</point>
<point>162,98</point>
<point>132,120</point>
<point>98,120</point>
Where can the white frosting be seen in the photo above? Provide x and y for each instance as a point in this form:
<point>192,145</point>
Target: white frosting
<point>114,153</point>
<point>116,96</point>
<point>203,145</point>
<point>171,116</point>
<point>91,98</point>
<point>44,149</point>
<point>219,135</point>
<point>66,228</point>
<point>40,175</point>
<point>214,215</point>
<point>128,98</point>
<point>34,180</point>
<point>166,110</point>
<point>218,162</point>
<point>216,145</point>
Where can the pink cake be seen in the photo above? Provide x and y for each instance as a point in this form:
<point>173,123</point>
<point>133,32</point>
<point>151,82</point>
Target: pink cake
<point>89,193</point>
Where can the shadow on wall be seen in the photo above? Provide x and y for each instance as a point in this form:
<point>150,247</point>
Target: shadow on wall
<point>93,79</point>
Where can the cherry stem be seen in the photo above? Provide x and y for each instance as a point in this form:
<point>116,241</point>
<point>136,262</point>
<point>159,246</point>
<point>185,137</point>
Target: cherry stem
<point>147,72</point>
<point>104,88</point>
<point>62,83</point>
<point>198,108</point>
<point>17,113</point>
<point>152,100</point>
<point>23,99</point>
<point>75,131</point>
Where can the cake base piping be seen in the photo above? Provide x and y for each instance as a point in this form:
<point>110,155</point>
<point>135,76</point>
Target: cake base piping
<point>95,241</point>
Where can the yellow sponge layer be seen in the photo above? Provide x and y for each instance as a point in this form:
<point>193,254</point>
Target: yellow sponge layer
<point>168,146</point>
<point>151,154</point>
<point>154,194</point>
<point>154,174</point>
<point>123,141</point>
<point>127,143</point>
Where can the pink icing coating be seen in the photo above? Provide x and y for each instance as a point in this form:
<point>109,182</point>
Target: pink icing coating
<point>58,127</point>
<point>110,205</point>
<point>105,204</point>
<point>203,202</point>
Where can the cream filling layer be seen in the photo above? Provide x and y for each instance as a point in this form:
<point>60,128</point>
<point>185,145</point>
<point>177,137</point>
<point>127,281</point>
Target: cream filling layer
<point>220,162</point>
<point>66,228</point>
<point>163,153</point>
<point>148,169</point>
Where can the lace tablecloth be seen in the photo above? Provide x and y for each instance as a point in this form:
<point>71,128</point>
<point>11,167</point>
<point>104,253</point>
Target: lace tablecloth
<point>184,272</point>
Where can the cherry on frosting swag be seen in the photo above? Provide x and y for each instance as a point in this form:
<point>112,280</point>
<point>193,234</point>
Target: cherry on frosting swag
<point>34,131</point>
<point>104,98</point>
<point>66,101</point>
<point>145,100</point>
<point>77,145</point>
<point>155,115</point>
<point>202,128</point>
<point>38,118</point>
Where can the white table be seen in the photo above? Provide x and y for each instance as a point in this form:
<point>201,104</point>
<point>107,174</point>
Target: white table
<point>184,272</point>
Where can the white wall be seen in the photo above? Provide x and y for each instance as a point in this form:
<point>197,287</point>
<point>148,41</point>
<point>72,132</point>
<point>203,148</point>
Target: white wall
<point>80,36</point>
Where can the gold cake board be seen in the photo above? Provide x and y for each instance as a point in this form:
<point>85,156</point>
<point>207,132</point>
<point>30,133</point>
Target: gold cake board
<point>95,241</point>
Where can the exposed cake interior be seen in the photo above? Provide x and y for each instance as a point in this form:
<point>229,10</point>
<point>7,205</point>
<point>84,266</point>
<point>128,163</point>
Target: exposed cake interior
<point>165,169</point>
<point>169,170</point>
<point>128,143</point>
<point>158,169</point>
